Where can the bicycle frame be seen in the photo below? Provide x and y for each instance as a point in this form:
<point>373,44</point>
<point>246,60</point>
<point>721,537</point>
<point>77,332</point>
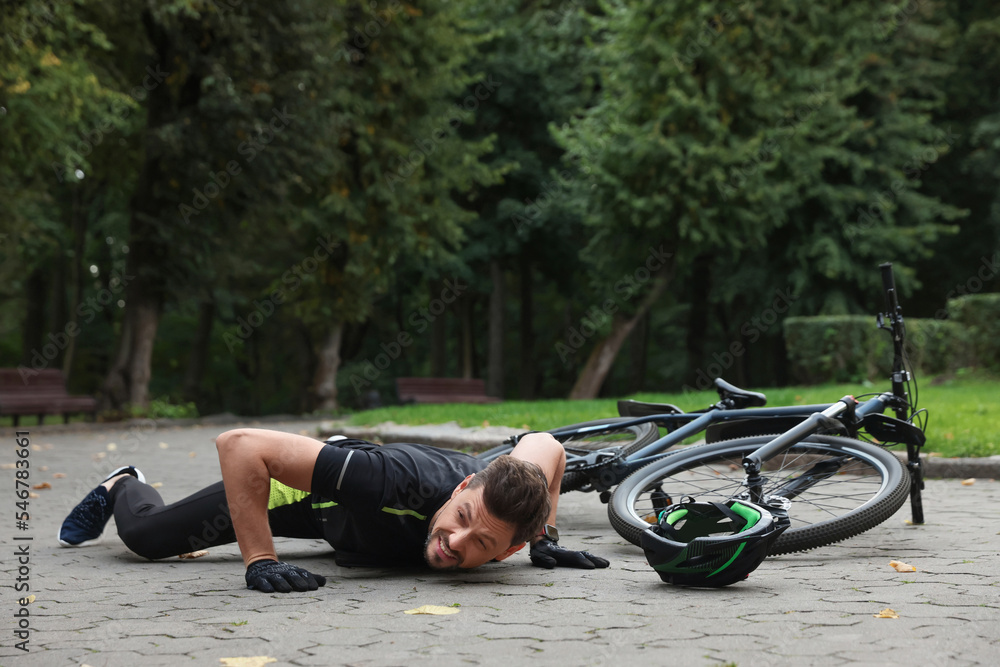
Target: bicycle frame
<point>846,413</point>
<point>693,423</point>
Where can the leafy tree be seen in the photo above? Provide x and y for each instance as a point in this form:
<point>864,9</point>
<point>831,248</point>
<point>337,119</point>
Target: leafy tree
<point>968,174</point>
<point>60,116</point>
<point>742,126</point>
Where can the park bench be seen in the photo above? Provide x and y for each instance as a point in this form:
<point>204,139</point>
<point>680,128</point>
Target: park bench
<point>442,390</point>
<point>30,392</point>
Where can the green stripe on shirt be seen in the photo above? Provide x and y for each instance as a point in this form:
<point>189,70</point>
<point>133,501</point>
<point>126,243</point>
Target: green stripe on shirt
<point>399,512</point>
<point>318,506</point>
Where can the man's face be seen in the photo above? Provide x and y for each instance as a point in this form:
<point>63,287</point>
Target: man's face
<point>463,534</point>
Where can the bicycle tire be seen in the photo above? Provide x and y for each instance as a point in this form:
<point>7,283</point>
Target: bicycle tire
<point>873,485</point>
<point>632,438</point>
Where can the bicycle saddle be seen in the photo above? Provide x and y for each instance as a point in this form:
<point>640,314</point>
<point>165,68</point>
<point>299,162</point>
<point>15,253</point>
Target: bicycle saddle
<point>739,398</point>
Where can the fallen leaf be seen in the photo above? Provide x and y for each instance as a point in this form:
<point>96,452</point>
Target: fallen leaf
<point>486,423</point>
<point>44,468</point>
<point>900,566</point>
<point>304,431</point>
<point>28,600</point>
<point>252,661</point>
<point>111,447</point>
<point>156,485</point>
<point>58,475</point>
<point>433,609</point>
<point>43,485</point>
<point>164,445</point>
<point>32,494</point>
<point>100,455</point>
<point>36,448</point>
<point>194,554</point>
<point>886,613</point>
<point>192,455</point>
<point>969,482</point>
<point>48,445</point>
<point>7,466</point>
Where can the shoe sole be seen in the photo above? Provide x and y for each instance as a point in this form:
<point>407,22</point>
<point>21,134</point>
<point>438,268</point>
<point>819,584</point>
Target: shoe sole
<point>81,544</point>
<point>129,470</point>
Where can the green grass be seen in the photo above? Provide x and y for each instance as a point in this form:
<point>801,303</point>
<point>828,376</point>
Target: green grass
<point>964,419</point>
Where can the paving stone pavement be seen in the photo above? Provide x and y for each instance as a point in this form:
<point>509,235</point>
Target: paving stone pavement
<point>103,606</point>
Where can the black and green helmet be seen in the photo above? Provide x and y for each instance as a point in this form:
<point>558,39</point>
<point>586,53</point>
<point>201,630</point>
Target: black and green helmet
<point>711,544</point>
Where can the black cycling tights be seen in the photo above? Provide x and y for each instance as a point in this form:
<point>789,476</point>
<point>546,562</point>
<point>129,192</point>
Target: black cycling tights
<point>154,530</point>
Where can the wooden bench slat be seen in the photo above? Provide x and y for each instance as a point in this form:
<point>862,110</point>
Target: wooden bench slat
<point>39,393</point>
<point>443,390</point>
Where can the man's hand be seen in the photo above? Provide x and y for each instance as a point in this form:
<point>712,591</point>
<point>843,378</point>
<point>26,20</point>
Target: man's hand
<point>547,553</point>
<point>269,576</point>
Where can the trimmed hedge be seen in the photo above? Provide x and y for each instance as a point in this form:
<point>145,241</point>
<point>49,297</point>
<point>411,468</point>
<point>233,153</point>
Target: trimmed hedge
<point>979,316</point>
<point>849,348</point>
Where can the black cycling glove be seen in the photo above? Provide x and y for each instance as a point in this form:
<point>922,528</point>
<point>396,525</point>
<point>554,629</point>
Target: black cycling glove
<point>547,553</point>
<point>269,576</point>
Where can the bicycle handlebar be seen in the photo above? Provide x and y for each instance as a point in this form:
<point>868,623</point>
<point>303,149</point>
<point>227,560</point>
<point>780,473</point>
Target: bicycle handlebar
<point>889,286</point>
<point>897,330</point>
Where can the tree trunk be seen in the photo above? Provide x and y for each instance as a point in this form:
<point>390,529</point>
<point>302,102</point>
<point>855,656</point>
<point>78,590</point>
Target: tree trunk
<point>57,307</point>
<point>526,378</point>
<point>697,317</point>
<point>439,345</point>
<point>114,392</point>
<point>599,364</point>
<point>152,215</point>
<point>466,332</point>
<point>79,224</point>
<point>328,361</point>
<point>33,352</point>
<point>146,320</point>
<point>637,360</point>
<point>199,350</point>
<point>494,377</point>
<point>306,362</point>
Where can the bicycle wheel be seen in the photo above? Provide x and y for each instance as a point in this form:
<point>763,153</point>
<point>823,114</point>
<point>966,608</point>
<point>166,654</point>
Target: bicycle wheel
<point>869,484</point>
<point>632,438</point>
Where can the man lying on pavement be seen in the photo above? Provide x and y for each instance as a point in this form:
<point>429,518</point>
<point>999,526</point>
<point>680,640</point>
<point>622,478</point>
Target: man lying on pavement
<point>394,504</point>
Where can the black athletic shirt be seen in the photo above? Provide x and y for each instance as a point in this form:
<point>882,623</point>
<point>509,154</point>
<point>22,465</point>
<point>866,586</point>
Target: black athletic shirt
<point>375,503</point>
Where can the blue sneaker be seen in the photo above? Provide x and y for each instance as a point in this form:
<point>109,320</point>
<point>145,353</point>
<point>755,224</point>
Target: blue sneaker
<point>86,522</point>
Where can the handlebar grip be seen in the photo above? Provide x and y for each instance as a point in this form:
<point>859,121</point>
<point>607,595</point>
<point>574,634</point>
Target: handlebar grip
<point>889,285</point>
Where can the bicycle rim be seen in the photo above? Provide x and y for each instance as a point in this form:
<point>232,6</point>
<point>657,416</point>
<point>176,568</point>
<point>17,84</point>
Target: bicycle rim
<point>868,488</point>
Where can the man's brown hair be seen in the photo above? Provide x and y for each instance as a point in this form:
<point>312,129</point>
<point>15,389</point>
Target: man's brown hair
<point>516,492</point>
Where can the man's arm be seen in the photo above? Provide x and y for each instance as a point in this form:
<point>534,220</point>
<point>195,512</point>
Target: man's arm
<point>249,459</point>
<point>548,453</point>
